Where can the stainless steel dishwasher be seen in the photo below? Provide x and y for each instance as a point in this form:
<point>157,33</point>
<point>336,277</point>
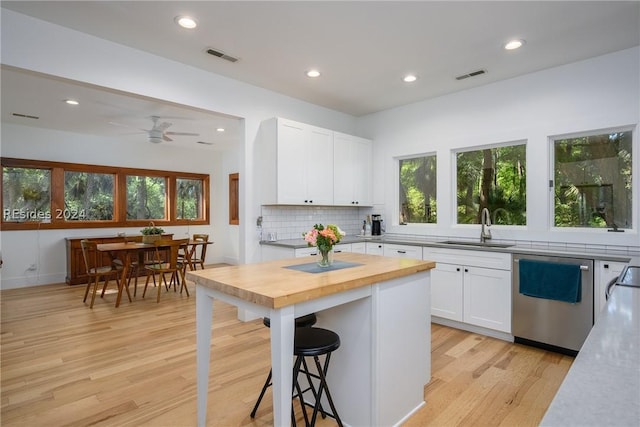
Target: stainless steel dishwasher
<point>554,325</point>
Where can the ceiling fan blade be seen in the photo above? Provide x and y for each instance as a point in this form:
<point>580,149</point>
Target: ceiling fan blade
<point>161,126</point>
<point>127,126</point>
<point>166,138</point>
<point>182,133</point>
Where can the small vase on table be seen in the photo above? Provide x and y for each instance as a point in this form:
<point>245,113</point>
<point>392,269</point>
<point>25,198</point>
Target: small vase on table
<point>325,257</point>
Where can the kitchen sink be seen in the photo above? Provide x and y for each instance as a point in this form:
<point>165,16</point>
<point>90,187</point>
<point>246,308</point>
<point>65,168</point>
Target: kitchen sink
<point>478,244</point>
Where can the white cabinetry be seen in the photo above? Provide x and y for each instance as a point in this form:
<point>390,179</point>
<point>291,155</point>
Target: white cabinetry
<point>296,166</point>
<point>473,287</point>
<point>373,248</point>
<point>402,251</point>
<point>359,248</point>
<point>605,272</point>
<point>301,181</point>
<point>342,247</point>
<point>352,170</point>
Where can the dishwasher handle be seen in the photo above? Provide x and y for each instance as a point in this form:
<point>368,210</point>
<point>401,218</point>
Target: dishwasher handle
<point>582,267</point>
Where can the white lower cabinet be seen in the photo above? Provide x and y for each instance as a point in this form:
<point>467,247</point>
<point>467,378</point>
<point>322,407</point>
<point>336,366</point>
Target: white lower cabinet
<point>487,298</point>
<point>605,272</point>
<point>464,290</point>
<point>342,247</point>
<point>372,248</point>
<point>446,291</point>
<point>402,251</point>
<point>359,248</point>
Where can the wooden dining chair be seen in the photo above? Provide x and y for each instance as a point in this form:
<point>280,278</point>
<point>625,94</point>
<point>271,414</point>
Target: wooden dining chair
<point>167,265</point>
<point>199,256</point>
<point>96,270</point>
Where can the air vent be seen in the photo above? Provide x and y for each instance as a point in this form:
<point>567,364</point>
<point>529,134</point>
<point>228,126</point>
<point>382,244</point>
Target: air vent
<point>25,116</point>
<point>221,55</point>
<point>471,74</point>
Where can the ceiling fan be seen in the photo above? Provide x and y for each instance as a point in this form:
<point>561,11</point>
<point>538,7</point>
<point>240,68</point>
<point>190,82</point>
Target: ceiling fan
<point>158,132</point>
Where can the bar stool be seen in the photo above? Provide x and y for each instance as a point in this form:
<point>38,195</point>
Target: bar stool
<point>300,322</point>
<point>315,342</point>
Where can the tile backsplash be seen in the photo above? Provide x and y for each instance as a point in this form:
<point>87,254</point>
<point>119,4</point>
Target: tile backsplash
<point>289,222</point>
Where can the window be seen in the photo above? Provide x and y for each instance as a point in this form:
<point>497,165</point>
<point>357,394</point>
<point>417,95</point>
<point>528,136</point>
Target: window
<point>88,196</point>
<point>39,194</point>
<point>234,198</point>
<point>418,190</point>
<point>26,194</point>
<point>146,197</point>
<point>592,180</point>
<point>189,198</point>
<point>492,178</point>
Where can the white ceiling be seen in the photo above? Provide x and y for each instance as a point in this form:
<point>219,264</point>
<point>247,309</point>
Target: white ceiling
<point>362,48</point>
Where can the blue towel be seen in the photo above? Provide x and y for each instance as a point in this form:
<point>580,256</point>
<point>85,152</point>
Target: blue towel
<point>551,280</point>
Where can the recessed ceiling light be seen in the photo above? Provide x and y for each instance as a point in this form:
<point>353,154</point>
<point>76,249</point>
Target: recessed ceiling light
<point>220,130</point>
<point>513,44</point>
<point>186,22</point>
<point>313,73</point>
<point>409,78</point>
<point>71,102</point>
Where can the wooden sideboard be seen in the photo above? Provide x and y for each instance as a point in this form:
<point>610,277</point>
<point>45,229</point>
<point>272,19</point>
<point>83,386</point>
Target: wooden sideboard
<point>76,274</point>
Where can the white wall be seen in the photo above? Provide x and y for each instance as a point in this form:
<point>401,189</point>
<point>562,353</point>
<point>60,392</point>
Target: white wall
<point>594,94</point>
<point>36,45</point>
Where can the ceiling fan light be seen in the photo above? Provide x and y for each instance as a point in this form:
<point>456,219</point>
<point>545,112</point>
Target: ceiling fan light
<point>155,139</point>
<point>186,22</point>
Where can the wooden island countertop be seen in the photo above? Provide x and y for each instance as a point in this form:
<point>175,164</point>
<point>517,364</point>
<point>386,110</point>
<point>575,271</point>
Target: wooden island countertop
<point>272,285</point>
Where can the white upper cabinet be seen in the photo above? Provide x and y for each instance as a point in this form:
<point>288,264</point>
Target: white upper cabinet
<point>298,165</point>
<point>304,164</point>
<point>352,170</point>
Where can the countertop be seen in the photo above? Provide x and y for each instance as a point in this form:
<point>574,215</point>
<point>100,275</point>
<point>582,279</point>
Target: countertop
<point>273,285</point>
<point>602,388</point>
<point>581,251</point>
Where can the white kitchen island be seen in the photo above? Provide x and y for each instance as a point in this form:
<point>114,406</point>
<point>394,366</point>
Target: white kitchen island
<point>379,306</point>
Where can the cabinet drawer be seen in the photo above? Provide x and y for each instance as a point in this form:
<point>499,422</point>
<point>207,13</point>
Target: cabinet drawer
<point>343,247</point>
<point>305,252</point>
<point>374,248</point>
<point>403,251</point>
<point>487,259</point>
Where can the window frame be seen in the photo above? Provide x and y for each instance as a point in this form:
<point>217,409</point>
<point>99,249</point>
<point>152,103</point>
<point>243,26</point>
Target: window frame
<point>635,171</point>
<point>120,196</point>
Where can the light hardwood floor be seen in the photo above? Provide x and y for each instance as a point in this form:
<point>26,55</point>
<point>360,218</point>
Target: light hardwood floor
<point>64,364</point>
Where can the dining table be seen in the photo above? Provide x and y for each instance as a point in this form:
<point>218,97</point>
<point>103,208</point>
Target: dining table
<point>125,251</point>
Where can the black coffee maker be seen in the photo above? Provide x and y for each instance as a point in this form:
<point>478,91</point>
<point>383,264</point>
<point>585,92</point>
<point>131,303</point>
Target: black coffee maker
<point>376,225</point>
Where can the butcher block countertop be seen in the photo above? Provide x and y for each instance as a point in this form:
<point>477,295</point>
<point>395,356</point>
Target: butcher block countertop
<point>272,285</point>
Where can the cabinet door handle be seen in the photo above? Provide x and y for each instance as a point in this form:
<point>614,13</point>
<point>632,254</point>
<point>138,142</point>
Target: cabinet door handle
<point>458,269</point>
<point>606,266</point>
<point>402,252</point>
<point>466,270</point>
<point>337,252</point>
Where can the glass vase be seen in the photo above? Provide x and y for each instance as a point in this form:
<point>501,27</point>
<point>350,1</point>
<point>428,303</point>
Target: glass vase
<point>325,258</point>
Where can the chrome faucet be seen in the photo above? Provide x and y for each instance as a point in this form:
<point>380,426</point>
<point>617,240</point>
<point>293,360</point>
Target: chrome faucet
<point>485,218</point>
